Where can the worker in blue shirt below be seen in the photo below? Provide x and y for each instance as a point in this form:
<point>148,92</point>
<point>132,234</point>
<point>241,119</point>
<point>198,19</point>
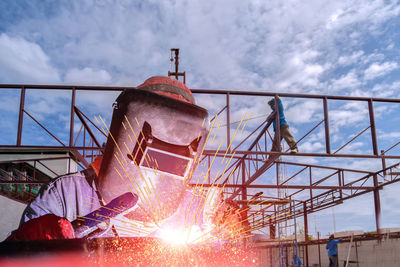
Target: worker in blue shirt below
<point>284,128</point>
<point>331,246</point>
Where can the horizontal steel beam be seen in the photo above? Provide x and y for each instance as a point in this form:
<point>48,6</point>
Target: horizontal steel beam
<point>222,153</point>
<point>200,91</point>
<point>6,148</point>
<point>261,186</point>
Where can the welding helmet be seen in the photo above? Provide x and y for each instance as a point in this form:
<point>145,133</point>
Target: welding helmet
<point>156,136</point>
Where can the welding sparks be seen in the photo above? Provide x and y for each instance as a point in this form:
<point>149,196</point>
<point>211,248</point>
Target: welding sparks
<point>180,236</point>
<point>197,211</point>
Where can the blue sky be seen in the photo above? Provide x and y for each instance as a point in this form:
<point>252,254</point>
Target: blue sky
<point>346,48</point>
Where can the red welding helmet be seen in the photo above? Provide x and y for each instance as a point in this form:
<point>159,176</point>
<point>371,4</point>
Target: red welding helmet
<point>157,133</point>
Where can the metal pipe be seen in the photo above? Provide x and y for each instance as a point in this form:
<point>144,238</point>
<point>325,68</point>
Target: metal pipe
<point>44,128</point>
<point>199,91</point>
<point>228,123</point>
<point>326,120</point>
<point>373,129</point>
<point>302,187</point>
<point>221,153</point>
<point>377,205</point>
<point>21,115</point>
<point>351,140</point>
<point>305,231</point>
<point>79,114</point>
<point>244,190</point>
<point>277,136</point>
<point>71,125</point>
<point>319,252</point>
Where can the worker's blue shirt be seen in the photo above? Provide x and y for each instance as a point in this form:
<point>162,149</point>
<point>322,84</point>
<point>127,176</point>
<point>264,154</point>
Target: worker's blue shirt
<point>282,120</point>
<point>332,246</point>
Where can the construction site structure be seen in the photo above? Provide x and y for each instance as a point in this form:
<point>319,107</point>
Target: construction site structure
<point>275,188</point>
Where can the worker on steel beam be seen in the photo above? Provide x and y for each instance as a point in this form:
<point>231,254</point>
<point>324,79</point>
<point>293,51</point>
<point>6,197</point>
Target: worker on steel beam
<point>156,136</point>
<point>284,128</point>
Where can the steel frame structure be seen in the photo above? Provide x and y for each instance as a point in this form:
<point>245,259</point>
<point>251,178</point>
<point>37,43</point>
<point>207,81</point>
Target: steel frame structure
<point>250,163</point>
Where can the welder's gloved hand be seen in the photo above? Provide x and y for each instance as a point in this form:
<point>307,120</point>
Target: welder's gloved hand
<point>48,226</point>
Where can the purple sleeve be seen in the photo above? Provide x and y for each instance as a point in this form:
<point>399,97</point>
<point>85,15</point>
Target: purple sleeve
<point>48,201</point>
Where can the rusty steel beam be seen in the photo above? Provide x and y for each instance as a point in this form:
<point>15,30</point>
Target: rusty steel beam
<point>326,120</point>
<point>373,127</point>
<point>56,148</point>
<point>228,123</point>
<point>261,202</point>
<point>80,116</point>
<point>221,153</point>
<point>21,115</point>
<point>348,142</point>
<point>44,128</point>
<point>71,125</point>
<point>200,91</point>
<point>323,167</point>
<point>271,186</point>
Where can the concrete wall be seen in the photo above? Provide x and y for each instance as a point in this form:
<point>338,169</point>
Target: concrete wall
<point>371,253</point>
<point>10,213</point>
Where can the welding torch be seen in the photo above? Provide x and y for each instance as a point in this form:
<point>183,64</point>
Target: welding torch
<point>86,225</point>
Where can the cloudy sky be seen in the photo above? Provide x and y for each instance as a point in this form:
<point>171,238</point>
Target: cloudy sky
<point>348,48</point>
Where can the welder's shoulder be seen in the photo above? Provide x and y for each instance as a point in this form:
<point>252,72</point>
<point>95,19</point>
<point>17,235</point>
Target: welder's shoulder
<point>69,181</point>
<point>57,196</point>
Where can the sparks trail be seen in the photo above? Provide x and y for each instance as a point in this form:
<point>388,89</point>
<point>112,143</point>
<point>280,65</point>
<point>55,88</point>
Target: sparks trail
<point>248,208</point>
<point>193,169</point>
<point>137,190</point>
<point>233,138</point>
<point>202,187</point>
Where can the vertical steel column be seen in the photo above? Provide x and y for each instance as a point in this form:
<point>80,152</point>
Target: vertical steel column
<point>277,225</point>
<point>244,189</point>
<point>244,195</point>
<point>383,162</point>
<point>319,251</point>
<point>305,231</point>
<point>278,126</point>
<point>228,122</point>
<point>71,125</point>
<point>373,128</point>
<point>270,256</point>
<point>326,120</point>
<point>340,176</point>
<point>311,194</point>
<point>34,170</point>
<point>377,204</point>
<point>21,115</point>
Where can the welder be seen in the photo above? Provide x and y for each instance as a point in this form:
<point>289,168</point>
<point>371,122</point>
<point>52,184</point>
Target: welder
<point>154,143</point>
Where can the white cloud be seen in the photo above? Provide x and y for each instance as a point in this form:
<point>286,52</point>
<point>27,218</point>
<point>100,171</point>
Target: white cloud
<point>310,111</point>
<point>312,147</point>
<point>87,76</point>
<point>351,59</point>
<point>22,61</point>
<point>348,81</point>
<point>376,70</point>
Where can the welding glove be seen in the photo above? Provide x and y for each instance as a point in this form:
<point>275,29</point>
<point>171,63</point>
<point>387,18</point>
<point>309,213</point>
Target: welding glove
<point>48,226</point>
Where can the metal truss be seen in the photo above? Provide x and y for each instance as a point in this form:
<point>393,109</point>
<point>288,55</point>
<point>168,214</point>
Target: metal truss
<point>250,165</point>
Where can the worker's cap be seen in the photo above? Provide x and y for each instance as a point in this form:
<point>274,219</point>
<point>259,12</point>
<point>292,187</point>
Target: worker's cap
<point>168,86</point>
